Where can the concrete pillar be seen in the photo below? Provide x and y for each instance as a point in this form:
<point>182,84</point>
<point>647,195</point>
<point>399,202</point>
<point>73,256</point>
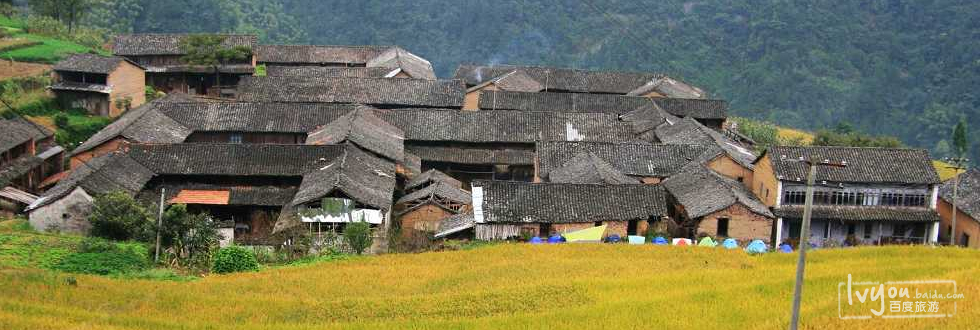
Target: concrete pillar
<point>933,233</point>
<point>779,232</point>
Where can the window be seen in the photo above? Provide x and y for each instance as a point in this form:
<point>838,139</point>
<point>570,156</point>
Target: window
<point>867,230</point>
<point>235,138</point>
<point>851,228</point>
<point>965,240</point>
<point>722,227</point>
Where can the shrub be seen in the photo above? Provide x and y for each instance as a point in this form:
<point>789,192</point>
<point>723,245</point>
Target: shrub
<point>61,120</point>
<point>189,237</point>
<point>118,216</point>
<point>234,259</point>
<point>46,26</point>
<point>358,236</point>
<point>101,257</point>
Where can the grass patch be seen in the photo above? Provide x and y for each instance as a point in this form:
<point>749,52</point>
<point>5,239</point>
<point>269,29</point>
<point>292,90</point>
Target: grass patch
<point>506,286</point>
<point>10,22</point>
<point>49,50</point>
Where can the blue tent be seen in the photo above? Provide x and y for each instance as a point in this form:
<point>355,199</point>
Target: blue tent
<point>785,248</point>
<point>757,246</point>
<point>613,238</point>
<point>554,239</point>
<point>535,240</point>
<point>660,241</point>
<point>730,243</point>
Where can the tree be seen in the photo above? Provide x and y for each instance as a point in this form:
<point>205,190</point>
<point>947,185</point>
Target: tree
<point>68,11</point>
<point>190,237</point>
<point>961,143</point>
<point>116,215</point>
<point>357,234</point>
<point>208,50</point>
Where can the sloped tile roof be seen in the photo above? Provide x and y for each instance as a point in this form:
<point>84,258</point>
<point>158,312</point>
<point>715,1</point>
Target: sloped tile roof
<point>690,131</point>
<point>143,124</point>
<point>317,54</point>
<point>472,155</point>
<point>967,193</point>
<point>864,165</point>
<point>16,132</point>
<point>561,79</point>
<point>264,195</point>
<point>430,177</point>
<point>115,171</point>
<point>356,174</point>
<point>702,191</point>
<point>506,126</point>
<point>17,168</point>
<point>411,64</point>
<point>373,91</point>
<point>860,213</point>
<point>519,202</point>
<point>90,63</point>
<point>586,167</point>
<point>326,71</point>
<point>364,129</point>
<point>168,44</point>
<point>609,103</point>
<point>440,190</point>
<point>635,159</point>
<point>669,87</point>
<point>80,87</point>
<point>455,224</point>
<point>254,116</point>
<point>233,159</point>
<point>515,81</point>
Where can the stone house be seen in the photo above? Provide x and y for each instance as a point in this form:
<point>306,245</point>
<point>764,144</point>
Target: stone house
<point>103,85</point>
<point>967,231</point>
<point>421,211</point>
<point>505,210</point>
<point>882,196</point>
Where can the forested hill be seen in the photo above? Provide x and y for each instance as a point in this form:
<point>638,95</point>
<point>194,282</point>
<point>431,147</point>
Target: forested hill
<point>904,68</point>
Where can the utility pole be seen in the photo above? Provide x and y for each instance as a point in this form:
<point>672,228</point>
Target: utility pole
<point>805,234</point>
<point>156,256</point>
<point>958,165</point>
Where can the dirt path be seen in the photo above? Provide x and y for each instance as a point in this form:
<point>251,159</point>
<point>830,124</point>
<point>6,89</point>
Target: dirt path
<point>10,69</point>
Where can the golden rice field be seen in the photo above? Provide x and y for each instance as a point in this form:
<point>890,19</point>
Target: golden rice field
<point>512,286</point>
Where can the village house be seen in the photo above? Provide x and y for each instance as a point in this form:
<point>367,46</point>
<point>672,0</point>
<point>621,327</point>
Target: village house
<point>641,161</point>
<point>967,231</point>
<point>28,158</point>
<point>103,85</point>
<point>162,56</point>
<point>495,145</point>
<point>505,210</point>
<point>706,203</point>
<point>882,196</point>
<point>711,113</point>
<point>421,211</point>
<point>566,80</point>
<point>343,61</point>
<point>376,92</point>
<point>260,188</point>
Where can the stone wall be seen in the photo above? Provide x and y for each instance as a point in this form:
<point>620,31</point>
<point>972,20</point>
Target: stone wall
<point>66,215</point>
<point>743,224</point>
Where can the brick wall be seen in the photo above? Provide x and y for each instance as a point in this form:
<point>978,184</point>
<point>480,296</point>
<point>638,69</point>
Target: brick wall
<point>743,224</point>
<point>127,81</point>
<point>102,149</point>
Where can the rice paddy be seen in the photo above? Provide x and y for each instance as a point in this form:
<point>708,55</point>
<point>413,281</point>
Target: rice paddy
<point>502,286</point>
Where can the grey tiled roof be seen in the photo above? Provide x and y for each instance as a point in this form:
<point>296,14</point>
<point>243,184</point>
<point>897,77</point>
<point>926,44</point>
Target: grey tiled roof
<point>317,54</point>
<point>233,159</point>
<point>473,155</point>
<point>16,132</point>
<point>430,177</point>
<point>326,71</point>
<point>864,165</point>
<point>253,116</point>
<point>506,126</point>
<point>111,172</point>
<point>89,63</point>
<point>861,213</point>
<point>17,168</point>
<point>455,224</point>
<point>440,190</point>
<point>690,131</point>
<point>80,87</point>
<point>355,174</point>
<point>262,195</point>
<point>167,44</point>
<point>362,128</point>
<point>609,103</point>
<point>143,124</point>
<point>669,87</point>
<point>702,191</point>
<point>586,167</point>
<point>561,79</point>
<point>635,159</point>
<point>518,202</point>
<point>967,193</point>
<point>374,91</point>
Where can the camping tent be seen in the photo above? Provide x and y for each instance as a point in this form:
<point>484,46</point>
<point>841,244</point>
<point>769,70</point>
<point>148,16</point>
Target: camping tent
<point>660,241</point>
<point>707,242</point>
<point>757,246</point>
<point>730,243</point>
<point>683,242</point>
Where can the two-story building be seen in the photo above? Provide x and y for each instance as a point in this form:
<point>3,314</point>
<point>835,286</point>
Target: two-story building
<point>104,85</point>
<point>881,196</point>
<point>28,157</point>
<point>162,55</point>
